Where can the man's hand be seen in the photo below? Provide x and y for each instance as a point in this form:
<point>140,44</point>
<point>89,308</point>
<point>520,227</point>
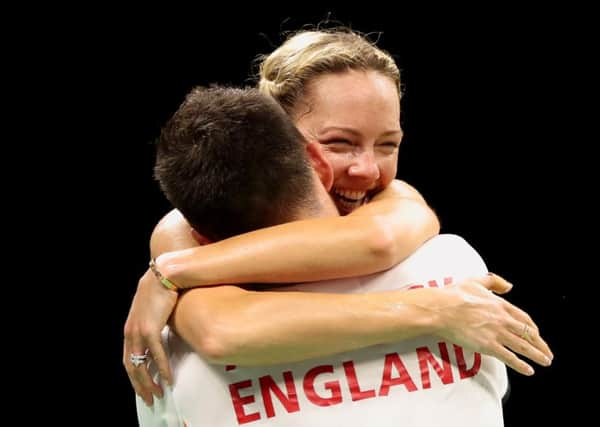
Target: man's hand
<point>150,310</point>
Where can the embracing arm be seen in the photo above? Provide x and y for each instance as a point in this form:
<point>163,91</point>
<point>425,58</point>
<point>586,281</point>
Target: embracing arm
<point>229,325</point>
<point>375,237</point>
<point>329,247</point>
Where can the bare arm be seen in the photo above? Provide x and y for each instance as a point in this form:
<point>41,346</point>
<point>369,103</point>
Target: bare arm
<point>371,239</point>
<point>151,308</point>
<point>229,325</point>
<point>172,233</point>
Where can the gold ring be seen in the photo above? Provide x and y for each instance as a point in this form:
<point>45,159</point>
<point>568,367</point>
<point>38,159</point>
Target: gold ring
<point>525,334</point>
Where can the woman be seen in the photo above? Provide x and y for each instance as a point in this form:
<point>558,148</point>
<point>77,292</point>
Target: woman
<point>343,92</point>
<point>360,130</point>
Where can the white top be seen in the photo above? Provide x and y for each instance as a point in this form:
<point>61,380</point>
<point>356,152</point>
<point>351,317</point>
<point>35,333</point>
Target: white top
<point>418,382</point>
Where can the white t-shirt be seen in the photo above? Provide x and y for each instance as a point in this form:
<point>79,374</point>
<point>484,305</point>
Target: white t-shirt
<point>419,382</point>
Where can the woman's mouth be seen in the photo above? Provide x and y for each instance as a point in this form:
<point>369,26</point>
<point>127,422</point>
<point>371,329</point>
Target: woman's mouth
<point>348,200</point>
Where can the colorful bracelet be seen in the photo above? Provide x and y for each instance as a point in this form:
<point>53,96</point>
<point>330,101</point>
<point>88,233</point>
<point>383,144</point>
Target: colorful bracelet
<point>162,279</point>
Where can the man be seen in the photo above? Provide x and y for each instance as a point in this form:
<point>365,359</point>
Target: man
<point>230,130</point>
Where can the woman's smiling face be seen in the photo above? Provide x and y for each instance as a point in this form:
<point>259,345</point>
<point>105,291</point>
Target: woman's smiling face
<point>355,115</point>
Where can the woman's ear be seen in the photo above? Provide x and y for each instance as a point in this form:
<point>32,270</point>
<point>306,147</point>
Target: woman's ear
<point>320,164</point>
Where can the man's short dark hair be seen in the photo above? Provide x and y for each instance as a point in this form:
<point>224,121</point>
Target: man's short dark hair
<point>231,160</point>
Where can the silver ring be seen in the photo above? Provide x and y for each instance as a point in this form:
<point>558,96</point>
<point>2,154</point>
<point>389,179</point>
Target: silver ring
<point>138,359</point>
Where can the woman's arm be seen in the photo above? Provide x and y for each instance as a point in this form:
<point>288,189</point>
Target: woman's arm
<point>369,240</point>
<point>229,325</point>
<point>373,238</point>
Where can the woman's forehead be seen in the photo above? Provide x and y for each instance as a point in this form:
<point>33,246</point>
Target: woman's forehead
<point>358,100</point>
<point>351,90</point>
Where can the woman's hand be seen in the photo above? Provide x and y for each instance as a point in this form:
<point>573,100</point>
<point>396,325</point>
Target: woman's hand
<point>471,315</point>
<point>150,310</point>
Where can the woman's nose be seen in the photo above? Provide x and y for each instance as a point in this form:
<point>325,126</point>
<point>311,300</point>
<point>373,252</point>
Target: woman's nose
<point>364,166</point>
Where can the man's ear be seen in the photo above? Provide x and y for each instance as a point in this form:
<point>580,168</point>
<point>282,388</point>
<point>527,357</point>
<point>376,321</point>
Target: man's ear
<point>320,164</point>
<point>202,240</point>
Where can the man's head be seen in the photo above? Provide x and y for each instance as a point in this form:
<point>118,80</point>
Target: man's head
<point>231,161</point>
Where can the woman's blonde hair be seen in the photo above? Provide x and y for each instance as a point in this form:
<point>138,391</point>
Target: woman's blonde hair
<point>285,73</point>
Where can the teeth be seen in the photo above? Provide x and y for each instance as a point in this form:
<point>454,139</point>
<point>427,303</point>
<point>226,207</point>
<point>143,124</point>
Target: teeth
<point>349,200</point>
<point>351,194</point>
<point>345,206</point>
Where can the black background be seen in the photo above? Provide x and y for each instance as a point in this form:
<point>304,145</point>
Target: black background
<point>486,112</point>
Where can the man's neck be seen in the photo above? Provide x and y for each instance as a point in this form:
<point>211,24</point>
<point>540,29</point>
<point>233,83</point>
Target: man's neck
<point>323,206</point>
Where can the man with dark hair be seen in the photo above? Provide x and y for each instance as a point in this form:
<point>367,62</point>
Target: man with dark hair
<point>233,140</point>
<point>230,160</point>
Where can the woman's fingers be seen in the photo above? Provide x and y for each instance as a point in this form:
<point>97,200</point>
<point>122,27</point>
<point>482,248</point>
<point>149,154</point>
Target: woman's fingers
<point>496,284</point>
<point>504,330</point>
<point>137,371</point>
<point>511,360</point>
<point>159,357</point>
<point>527,346</point>
<point>138,353</point>
<point>526,329</point>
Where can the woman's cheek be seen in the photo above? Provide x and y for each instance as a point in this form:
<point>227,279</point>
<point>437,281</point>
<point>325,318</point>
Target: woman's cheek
<point>339,164</point>
<point>387,170</point>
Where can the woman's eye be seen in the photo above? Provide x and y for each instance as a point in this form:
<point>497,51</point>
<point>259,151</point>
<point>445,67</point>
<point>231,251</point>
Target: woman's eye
<point>389,145</point>
<point>338,142</point>
<point>338,145</point>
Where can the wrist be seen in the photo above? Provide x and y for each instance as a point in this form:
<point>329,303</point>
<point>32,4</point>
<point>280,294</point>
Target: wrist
<point>158,269</point>
<point>437,301</point>
<point>181,267</point>
<point>425,302</point>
